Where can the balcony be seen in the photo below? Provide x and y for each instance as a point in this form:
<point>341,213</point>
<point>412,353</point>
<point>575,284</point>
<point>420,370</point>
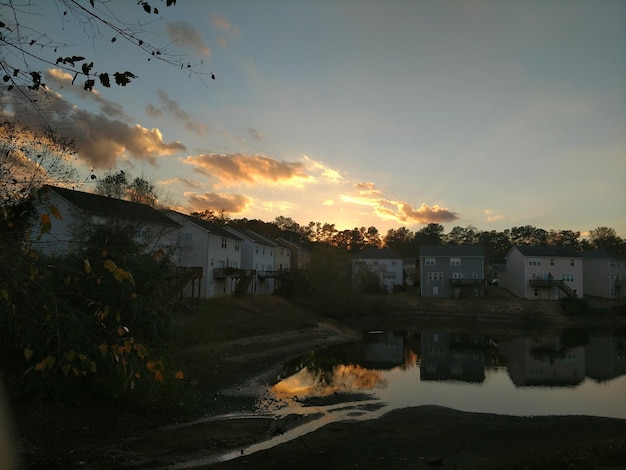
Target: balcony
<point>272,274</point>
<point>465,282</point>
<point>223,273</point>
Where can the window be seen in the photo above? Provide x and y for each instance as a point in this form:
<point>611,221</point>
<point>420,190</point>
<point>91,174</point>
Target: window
<point>237,246</point>
<point>571,262</point>
<point>434,276</point>
<point>429,261</point>
<point>474,275</point>
<point>457,275</point>
<point>455,261</point>
<point>224,244</point>
<point>536,292</point>
<point>551,261</point>
<point>567,277</point>
<point>534,262</point>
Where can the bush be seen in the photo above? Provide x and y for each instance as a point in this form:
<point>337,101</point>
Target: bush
<point>574,307</point>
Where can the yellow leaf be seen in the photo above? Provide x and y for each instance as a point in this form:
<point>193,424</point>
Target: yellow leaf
<point>110,266</point>
<point>5,295</point>
<point>121,331</point>
<point>69,355</point>
<point>103,349</point>
<point>41,365</point>
<point>28,353</point>
<point>87,266</point>
<point>158,376</point>
<point>141,351</point>
<point>179,375</point>
<point>150,365</point>
<point>92,367</point>
<point>82,357</point>
<point>66,368</point>
<point>45,224</point>
<point>118,317</point>
<point>55,212</point>
<point>50,360</point>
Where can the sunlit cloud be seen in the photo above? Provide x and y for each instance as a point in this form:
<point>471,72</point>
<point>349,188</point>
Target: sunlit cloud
<point>329,174</point>
<point>328,202</point>
<point>491,217</point>
<point>186,182</point>
<point>235,169</point>
<point>223,25</point>
<point>231,203</point>
<point>100,139</point>
<point>186,35</point>
<point>398,211</point>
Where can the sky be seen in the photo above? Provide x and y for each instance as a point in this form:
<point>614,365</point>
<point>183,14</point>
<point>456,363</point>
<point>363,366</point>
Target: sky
<point>389,114</point>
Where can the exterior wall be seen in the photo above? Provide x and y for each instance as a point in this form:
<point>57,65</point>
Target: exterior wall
<point>282,261</point>
<point>389,270</point>
<point>259,257</point>
<point>59,240</point>
<point>199,247</point>
<point>437,284</point>
<point>605,277</point>
<point>521,269</point>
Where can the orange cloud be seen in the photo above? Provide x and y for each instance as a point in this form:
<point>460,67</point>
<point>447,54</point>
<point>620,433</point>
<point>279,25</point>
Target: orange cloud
<point>232,203</point>
<point>248,169</point>
<point>490,216</point>
<point>399,211</point>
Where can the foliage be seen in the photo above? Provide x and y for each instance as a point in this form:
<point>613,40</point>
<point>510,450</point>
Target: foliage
<point>120,185</point>
<point>31,158</point>
<point>67,321</point>
<point>27,51</point>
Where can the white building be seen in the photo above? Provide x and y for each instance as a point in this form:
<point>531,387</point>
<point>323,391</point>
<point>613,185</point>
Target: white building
<point>543,272</point>
<point>383,262</point>
<point>257,255</point>
<point>605,274</point>
<point>212,248</point>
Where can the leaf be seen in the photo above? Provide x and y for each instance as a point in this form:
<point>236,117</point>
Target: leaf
<point>87,266</point>
<point>141,351</point>
<point>89,84</point>
<point>69,355</point>
<point>103,349</point>
<point>104,80</point>
<point>110,266</point>
<point>55,212</point>
<point>45,224</point>
<point>179,375</point>
<point>158,376</point>
<point>40,366</point>
<point>66,368</point>
<point>122,330</point>
<point>28,353</point>
<point>50,360</point>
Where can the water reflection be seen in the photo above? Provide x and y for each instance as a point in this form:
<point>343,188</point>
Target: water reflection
<point>570,372</point>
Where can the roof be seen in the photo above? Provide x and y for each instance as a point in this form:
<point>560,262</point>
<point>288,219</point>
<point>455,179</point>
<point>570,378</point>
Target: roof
<point>377,253</point>
<point>601,254</point>
<point>468,251</point>
<point>259,238</point>
<point>111,207</point>
<point>290,244</point>
<point>210,227</point>
<point>551,251</point>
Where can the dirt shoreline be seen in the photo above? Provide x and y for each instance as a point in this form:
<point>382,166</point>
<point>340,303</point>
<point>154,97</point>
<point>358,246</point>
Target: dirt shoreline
<point>88,435</point>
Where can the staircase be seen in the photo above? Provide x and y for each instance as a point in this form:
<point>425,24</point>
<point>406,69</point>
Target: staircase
<point>178,280</point>
<point>565,288</point>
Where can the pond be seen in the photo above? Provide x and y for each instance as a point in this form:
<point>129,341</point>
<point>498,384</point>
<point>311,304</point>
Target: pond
<point>566,373</point>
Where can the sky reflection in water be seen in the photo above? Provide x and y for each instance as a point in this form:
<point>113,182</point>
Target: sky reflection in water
<point>564,374</point>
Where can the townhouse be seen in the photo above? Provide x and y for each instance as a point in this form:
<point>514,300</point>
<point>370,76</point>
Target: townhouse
<point>451,270</point>
<point>385,263</point>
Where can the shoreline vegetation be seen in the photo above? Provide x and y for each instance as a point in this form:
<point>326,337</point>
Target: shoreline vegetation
<point>224,343</point>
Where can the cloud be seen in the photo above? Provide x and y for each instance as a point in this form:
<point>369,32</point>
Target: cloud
<point>222,24</point>
<point>399,211</point>
<point>328,174</point>
<point>64,81</point>
<point>186,182</point>
<point>255,134</point>
<point>100,139</point>
<point>232,203</point>
<point>491,217</point>
<point>238,168</point>
<point>171,107</point>
<point>186,35</point>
